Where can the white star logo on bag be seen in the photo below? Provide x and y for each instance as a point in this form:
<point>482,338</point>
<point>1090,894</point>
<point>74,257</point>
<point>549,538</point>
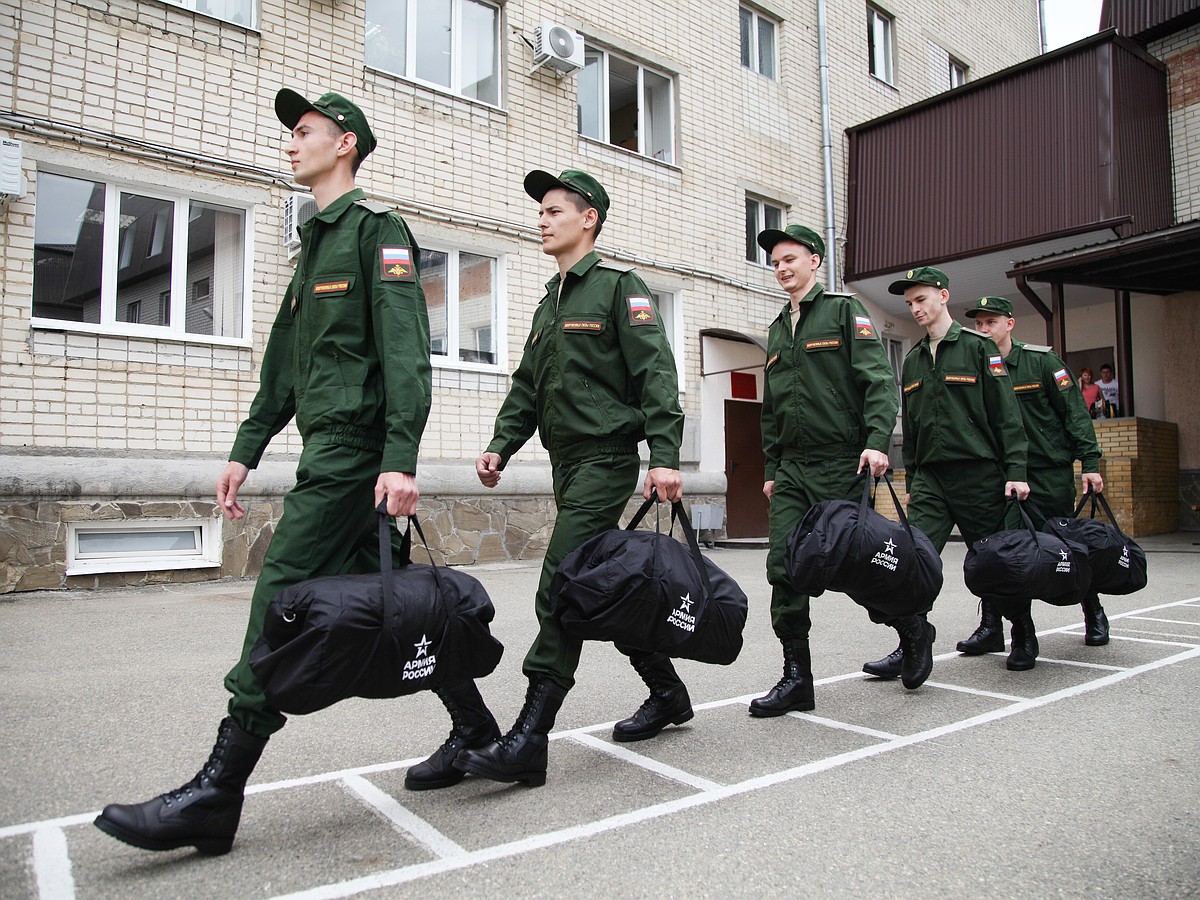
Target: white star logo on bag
<point>685,602</point>
<point>890,546</point>
<point>422,646</point>
<point>1064,554</point>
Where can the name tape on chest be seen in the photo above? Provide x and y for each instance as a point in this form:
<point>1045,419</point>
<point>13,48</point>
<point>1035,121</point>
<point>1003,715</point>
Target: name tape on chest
<point>395,264</point>
<point>774,359</point>
<point>1026,388</point>
<point>331,287</point>
<point>586,326</point>
<point>912,386</point>
<point>864,328</point>
<point>961,379</point>
<point>823,344</point>
<point>641,311</point>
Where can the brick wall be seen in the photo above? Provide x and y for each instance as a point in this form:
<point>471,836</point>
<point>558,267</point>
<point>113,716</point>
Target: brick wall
<point>1141,473</point>
<point>1181,54</point>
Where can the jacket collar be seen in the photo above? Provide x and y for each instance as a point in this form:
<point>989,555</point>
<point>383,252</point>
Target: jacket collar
<point>951,335</point>
<point>816,291</point>
<point>578,270</point>
<point>334,210</point>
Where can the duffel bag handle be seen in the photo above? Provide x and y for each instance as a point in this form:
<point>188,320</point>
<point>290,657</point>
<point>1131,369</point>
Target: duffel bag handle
<point>1098,496</point>
<point>1013,498</point>
<point>685,523</point>
<point>385,555</point>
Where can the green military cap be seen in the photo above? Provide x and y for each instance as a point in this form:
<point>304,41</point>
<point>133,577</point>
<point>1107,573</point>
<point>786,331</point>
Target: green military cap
<point>537,183</point>
<point>920,275</point>
<point>798,233</point>
<point>290,107</point>
<point>998,305</point>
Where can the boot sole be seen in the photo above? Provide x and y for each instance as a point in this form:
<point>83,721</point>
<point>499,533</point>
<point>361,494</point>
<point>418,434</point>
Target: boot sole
<point>760,713</point>
<point>880,673</point>
<point>206,846</point>
<point>1019,667</point>
<point>963,648</point>
<point>1096,641</point>
<point>414,784</point>
<point>532,778</point>
<point>626,737</point>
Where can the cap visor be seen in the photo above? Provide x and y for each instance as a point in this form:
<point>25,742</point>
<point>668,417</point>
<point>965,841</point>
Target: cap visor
<point>537,183</point>
<point>899,287</point>
<point>772,236</point>
<point>290,107</point>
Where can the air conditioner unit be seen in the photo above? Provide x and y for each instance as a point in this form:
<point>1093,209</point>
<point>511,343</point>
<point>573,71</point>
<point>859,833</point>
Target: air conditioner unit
<point>558,47</point>
<point>298,208</point>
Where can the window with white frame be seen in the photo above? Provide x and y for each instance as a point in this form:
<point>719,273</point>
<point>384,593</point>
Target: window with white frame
<point>758,42</point>
<point>760,215</point>
<point>958,73</point>
<point>135,261</point>
<point>452,44</point>
<point>239,12</point>
<point>880,39</point>
<point>627,104</point>
<point>462,295</point>
<point>144,545</point>
<point>670,313</point>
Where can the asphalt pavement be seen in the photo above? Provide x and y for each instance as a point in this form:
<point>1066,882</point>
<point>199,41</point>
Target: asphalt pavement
<point>1077,779</point>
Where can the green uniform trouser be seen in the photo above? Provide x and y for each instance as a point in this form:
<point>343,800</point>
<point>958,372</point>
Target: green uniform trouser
<point>969,494</point>
<point>798,487</point>
<point>325,530</point>
<point>591,492</point>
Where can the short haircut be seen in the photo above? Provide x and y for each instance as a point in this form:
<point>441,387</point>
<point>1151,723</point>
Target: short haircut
<point>1107,366</point>
<point>582,204</point>
<point>336,131</point>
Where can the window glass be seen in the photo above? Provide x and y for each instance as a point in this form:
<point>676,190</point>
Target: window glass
<point>623,103</point>
<point>760,216</point>
<point>479,69</point>
<point>433,282</point>
<point>432,26</point>
<point>627,105</point>
<point>659,124</point>
<point>746,21</point>
<point>239,12</point>
<point>68,246</point>
<point>752,230</point>
<point>879,44</point>
<point>766,47</point>
<point>476,308</point>
<point>591,88</point>
<point>110,543</point>
<point>147,264</point>
<point>145,224</point>
<point>387,35</point>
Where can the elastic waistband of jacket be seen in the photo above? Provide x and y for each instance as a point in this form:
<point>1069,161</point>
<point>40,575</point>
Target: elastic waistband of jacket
<point>821,452</point>
<point>614,445</point>
<point>349,436</point>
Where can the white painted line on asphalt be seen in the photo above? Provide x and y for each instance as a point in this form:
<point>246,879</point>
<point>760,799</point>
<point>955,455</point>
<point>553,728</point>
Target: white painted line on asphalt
<point>1009,698</point>
<point>645,762</point>
<point>844,726</point>
<point>412,825</point>
<point>1168,634</point>
<point>1082,665</point>
<point>52,865</point>
<point>1166,621</point>
<point>412,873</point>
<point>30,827</point>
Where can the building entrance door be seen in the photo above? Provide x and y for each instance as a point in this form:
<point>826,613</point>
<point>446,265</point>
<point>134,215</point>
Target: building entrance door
<point>745,467</point>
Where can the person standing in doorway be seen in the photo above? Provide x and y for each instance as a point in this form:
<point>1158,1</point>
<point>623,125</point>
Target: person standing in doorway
<point>1110,390</point>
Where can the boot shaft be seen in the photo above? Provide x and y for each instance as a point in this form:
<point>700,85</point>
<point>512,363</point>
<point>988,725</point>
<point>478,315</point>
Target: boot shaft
<point>233,758</point>
<point>543,699</point>
<point>657,672</point>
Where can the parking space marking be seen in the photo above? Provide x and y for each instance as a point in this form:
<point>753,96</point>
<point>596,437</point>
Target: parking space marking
<point>408,874</point>
<point>844,726</point>
<point>52,865</point>
<point>412,825</point>
<point>1082,665</point>
<point>51,857</point>
<point>1167,621</point>
<point>1010,698</point>
<point>645,762</point>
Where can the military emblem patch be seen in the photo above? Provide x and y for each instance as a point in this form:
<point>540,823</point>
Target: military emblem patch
<point>961,379</point>
<point>641,311</point>
<point>1063,379</point>
<point>395,264</point>
<point>996,365</point>
<point>863,328</point>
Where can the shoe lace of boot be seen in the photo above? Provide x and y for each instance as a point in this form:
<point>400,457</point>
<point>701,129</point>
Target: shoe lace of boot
<point>208,772</point>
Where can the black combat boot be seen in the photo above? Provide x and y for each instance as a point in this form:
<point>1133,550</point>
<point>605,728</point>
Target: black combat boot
<point>668,703</point>
<point>521,754</point>
<point>1095,622</point>
<point>889,666</point>
<point>1023,655</point>
<point>204,813</point>
<point>473,727</point>
<point>916,649</point>
<point>989,636</point>
<point>795,689</point>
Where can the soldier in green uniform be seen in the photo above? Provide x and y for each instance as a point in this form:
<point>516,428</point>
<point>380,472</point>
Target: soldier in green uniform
<point>1060,431</point>
<point>348,358</point>
<point>829,407</point>
<point>597,376</point>
<point>965,449</point>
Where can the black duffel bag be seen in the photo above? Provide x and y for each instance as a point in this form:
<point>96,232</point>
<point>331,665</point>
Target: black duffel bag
<point>383,635</point>
<point>844,546</point>
<point>1118,564</point>
<point>643,590</point>
<point>1024,564</point>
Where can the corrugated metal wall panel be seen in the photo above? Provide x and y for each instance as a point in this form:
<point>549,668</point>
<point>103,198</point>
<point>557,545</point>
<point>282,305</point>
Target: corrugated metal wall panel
<point>1018,159</point>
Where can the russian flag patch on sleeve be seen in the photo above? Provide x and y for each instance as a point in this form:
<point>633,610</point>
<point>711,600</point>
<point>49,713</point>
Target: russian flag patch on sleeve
<point>641,311</point>
<point>1063,379</point>
<point>863,328</point>
<point>395,264</point>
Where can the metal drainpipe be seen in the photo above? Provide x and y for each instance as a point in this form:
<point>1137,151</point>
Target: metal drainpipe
<point>827,150</point>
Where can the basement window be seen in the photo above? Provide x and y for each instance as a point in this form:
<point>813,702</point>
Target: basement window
<point>142,546</point>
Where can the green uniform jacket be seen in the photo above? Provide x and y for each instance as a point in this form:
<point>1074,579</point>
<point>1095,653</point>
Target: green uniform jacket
<point>348,354</point>
<point>829,390</point>
<point>962,406</point>
<point>596,368</point>
<point>1056,418</point>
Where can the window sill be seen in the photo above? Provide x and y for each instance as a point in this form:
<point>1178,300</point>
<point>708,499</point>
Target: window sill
<point>438,91</point>
<point>252,30</point>
<point>883,83</point>
<point>624,154</point>
<point>73,340</point>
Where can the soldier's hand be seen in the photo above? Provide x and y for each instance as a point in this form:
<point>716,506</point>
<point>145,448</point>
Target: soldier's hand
<point>768,488</point>
<point>400,488</point>
<point>876,461</point>
<point>228,483</point>
<point>1093,482</point>
<point>487,467</point>
<point>667,482</point>
<point>1021,487</point>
